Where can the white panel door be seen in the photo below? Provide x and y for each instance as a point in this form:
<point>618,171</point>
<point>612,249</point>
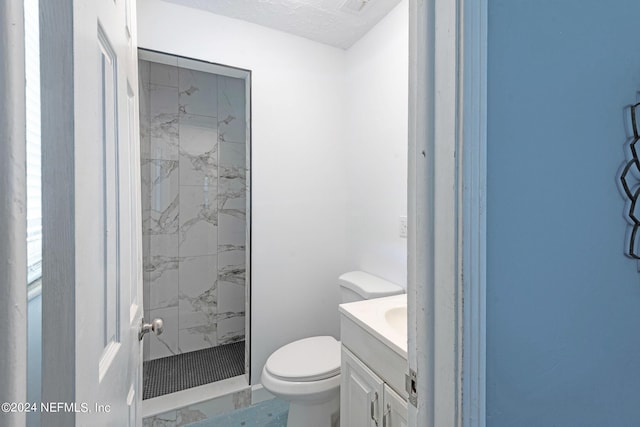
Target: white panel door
<point>100,205</point>
<point>108,274</point>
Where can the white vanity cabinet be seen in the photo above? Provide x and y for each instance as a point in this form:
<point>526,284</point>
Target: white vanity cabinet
<point>395,409</point>
<point>365,399</point>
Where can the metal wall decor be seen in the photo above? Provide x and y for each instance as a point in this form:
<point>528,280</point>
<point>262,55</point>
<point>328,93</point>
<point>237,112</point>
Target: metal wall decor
<point>631,177</point>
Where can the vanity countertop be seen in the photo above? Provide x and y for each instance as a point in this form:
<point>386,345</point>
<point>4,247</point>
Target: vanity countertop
<point>384,318</point>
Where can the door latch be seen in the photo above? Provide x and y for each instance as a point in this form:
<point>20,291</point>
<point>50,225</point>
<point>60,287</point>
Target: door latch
<point>411,385</point>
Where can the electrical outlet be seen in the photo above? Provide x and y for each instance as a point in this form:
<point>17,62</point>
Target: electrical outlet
<point>403,226</point>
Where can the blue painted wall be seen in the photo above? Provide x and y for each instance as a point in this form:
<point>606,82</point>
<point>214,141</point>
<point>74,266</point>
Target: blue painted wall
<point>563,302</point>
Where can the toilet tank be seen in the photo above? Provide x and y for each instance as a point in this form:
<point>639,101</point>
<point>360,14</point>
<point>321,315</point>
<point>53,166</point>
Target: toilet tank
<point>360,285</point>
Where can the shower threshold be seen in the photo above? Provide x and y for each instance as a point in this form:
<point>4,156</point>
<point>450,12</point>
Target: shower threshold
<point>182,371</point>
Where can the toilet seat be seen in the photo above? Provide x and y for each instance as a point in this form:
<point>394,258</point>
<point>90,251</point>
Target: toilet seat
<point>306,360</point>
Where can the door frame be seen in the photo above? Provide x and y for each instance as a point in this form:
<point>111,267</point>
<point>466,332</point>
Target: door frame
<point>447,211</point>
<point>58,244</point>
<point>474,40</point>
<point>13,212</point>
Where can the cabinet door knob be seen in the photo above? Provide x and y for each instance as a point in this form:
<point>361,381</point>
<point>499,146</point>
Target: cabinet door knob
<point>387,413</point>
<point>374,403</point>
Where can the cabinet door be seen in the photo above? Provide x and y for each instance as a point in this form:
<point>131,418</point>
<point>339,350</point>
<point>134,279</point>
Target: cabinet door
<point>361,394</point>
<point>395,409</point>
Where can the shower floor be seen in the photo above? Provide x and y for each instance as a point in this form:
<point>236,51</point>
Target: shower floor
<point>196,368</point>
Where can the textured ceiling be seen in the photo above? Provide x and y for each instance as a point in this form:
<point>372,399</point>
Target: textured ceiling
<point>325,21</point>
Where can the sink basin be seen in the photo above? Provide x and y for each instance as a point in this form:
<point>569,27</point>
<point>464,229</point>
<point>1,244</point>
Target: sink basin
<point>396,317</point>
<point>384,318</point>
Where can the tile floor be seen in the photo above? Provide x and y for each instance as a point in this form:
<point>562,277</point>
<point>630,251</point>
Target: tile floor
<point>269,413</point>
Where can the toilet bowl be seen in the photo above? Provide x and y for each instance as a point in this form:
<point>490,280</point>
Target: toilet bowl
<point>307,372</point>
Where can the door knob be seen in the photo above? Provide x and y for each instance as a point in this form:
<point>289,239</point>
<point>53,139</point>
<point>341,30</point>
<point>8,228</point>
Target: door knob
<point>156,326</point>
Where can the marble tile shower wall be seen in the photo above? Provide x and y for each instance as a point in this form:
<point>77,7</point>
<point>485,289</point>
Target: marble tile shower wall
<point>194,207</point>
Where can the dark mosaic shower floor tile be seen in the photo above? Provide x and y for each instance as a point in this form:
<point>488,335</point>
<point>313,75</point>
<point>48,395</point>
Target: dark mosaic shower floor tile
<point>183,371</point>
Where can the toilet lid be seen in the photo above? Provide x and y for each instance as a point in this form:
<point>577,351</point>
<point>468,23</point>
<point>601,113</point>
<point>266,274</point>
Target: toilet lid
<point>308,359</point>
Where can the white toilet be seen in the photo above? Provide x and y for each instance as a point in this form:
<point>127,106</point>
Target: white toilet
<point>307,372</point>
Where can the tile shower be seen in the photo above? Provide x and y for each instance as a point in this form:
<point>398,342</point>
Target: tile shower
<point>194,207</point>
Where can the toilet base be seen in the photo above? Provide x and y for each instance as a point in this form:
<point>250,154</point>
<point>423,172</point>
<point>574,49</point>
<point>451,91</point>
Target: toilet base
<point>306,414</point>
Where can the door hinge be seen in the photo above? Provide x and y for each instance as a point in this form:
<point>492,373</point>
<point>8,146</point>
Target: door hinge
<point>411,385</point>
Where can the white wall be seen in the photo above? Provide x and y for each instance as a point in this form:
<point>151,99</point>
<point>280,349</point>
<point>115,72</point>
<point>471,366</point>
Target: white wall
<point>329,156</point>
<point>298,165</point>
<point>377,105</point>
